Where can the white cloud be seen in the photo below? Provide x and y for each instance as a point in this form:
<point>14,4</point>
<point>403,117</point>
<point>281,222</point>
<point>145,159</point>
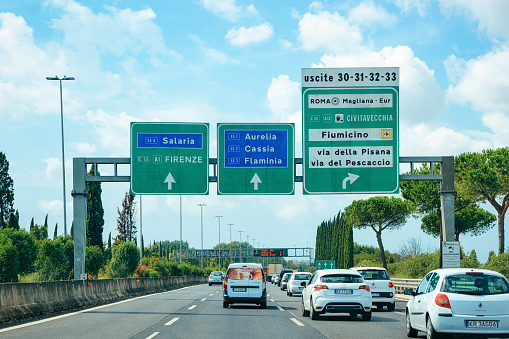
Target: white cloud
<point>329,32</point>
<point>111,130</point>
<point>499,124</point>
<point>491,15</point>
<point>213,55</point>
<point>228,9</point>
<point>252,35</point>
<point>370,15</point>
<point>51,207</point>
<point>53,165</point>
<point>409,5</point>
<point>482,82</point>
<point>85,148</point>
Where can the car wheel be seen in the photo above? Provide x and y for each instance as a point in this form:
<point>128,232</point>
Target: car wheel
<point>410,331</point>
<point>289,294</point>
<point>430,330</point>
<point>225,304</point>
<point>366,316</point>
<point>304,312</point>
<point>314,314</point>
<point>210,284</point>
<point>391,307</point>
<point>263,305</point>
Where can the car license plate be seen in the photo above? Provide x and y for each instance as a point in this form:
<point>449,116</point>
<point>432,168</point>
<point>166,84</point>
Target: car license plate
<point>375,294</point>
<point>481,324</point>
<point>239,289</point>
<point>343,291</point>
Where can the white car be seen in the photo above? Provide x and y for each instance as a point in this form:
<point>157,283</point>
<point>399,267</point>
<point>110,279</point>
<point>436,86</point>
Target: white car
<point>294,284</point>
<point>336,291</point>
<point>459,300</point>
<point>245,284</point>
<point>381,286</point>
<point>216,277</point>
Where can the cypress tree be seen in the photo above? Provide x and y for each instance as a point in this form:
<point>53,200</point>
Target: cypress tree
<point>55,233</point>
<point>95,212</point>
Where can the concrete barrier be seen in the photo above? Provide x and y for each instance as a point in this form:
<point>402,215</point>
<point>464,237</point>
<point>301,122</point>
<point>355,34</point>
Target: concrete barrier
<point>21,300</point>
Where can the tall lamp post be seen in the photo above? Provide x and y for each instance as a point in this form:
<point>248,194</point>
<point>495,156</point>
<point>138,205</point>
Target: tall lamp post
<point>219,219</point>
<point>240,244</point>
<point>230,242</point>
<point>201,213</point>
<point>247,249</point>
<point>62,130</point>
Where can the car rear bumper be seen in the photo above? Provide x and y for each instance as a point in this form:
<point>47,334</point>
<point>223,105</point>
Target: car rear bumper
<point>245,300</point>
<point>454,323</point>
<point>384,299</point>
<point>333,305</point>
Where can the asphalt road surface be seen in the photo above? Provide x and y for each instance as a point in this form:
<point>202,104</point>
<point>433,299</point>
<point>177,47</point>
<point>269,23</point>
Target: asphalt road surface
<point>197,312</point>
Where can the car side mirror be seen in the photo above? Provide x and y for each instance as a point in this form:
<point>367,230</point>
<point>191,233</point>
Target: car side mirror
<point>408,291</point>
<point>304,283</point>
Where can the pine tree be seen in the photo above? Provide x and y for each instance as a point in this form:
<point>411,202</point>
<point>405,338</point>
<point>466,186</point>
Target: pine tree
<point>95,212</point>
<point>6,191</point>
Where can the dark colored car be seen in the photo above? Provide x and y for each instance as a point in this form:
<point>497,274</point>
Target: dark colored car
<point>281,276</point>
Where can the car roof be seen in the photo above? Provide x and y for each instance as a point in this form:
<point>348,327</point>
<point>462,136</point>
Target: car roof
<point>452,271</point>
<point>248,265</point>
<point>373,268</point>
<point>338,271</point>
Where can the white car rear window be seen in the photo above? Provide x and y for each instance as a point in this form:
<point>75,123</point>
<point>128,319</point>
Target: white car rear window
<point>341,278</point>
<point>245,273</point>
<point>476,284</point>
<point>374,274</point>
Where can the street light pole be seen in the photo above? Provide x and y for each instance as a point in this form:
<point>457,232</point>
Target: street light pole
<point>219,219</point>
<point>230,242</point>
<point>247,249</point>
<point>201,213</point>
<point>240,244</point>
<point>63,153</point>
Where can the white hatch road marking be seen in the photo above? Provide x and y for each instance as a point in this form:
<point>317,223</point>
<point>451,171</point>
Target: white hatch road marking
<point>280,308</point>
<point>210,295</point>
<point>204,299</point>
<point>297,322</point>
<point>272,300</point>
<point>190,308</point>
<point>171,321</point>
<point>152,335</point>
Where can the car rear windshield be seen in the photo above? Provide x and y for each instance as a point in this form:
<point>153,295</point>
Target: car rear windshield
<point>476,284</point>
<point>374,274</point>
<point>302,277</point>
<point>341,278</point>
<point>216,273</point>
<point>245,273</point>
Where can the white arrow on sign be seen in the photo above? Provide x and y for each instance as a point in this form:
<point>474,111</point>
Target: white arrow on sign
<point>351,177</point>
<point>256,180</point>
<point>169,179</point>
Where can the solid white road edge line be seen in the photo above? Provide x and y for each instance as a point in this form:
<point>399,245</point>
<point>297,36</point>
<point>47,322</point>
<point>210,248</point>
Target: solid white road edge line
<point>152,335</point>
<point>297,322</point>
<point>84,311</point>
<point>171,321</point>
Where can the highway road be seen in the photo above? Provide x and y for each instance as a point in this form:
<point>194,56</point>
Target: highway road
<point>197,312</point>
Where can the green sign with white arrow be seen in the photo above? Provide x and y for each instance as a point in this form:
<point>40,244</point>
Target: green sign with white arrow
<point>169,158</point>
<point>350,128</point>
<point>325,264</point>
<point>255,158</point>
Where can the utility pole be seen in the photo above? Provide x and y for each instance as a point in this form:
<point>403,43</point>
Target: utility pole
<point>219,219</point>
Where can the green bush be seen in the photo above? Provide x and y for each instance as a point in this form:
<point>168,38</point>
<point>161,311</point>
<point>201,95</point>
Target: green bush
<point>27,249</point>
<point>124,260</point>
<point>94,260</point>
<point>9,260</point>
<point>184,269</point>
<point>152,274</point>
<point>499,264</point>
<point>420,265</point>
<point>54,262</point>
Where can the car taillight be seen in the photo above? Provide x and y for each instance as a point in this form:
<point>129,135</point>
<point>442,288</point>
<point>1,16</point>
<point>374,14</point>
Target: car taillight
<point>391,285</point>
<point>364,287</point>
<point>442,300</point>
<point>210,276</point>
<point>284,280</point>
<point>225,285</point>
<point>321,287</point>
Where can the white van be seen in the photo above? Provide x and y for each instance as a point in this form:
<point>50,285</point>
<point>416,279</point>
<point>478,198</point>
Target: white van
<point>244,283</point>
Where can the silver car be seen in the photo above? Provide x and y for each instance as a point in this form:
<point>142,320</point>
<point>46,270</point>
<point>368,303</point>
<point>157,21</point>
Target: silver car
<point>294,284</point>
<point>216,277</point>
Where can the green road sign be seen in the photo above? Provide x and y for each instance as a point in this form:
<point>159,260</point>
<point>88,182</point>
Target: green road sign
<point>350,130</point>
<point>169,158</point>
<point>255,158</point>
<point>325,264</point>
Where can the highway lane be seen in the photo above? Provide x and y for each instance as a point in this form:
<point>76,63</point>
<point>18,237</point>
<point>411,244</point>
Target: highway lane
<point>197,311</point>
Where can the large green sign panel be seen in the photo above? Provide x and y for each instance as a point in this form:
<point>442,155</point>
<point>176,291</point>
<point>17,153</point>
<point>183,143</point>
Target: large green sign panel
<point>255,158</point>
<point>325,264</point>
<point>350,130</point>
<point>169,158</point>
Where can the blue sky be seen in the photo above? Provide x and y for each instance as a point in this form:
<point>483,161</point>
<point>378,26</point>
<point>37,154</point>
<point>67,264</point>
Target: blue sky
<point>238,62</point>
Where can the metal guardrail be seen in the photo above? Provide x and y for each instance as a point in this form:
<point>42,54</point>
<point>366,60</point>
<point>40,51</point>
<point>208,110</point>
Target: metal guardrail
<point>401,284</point>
